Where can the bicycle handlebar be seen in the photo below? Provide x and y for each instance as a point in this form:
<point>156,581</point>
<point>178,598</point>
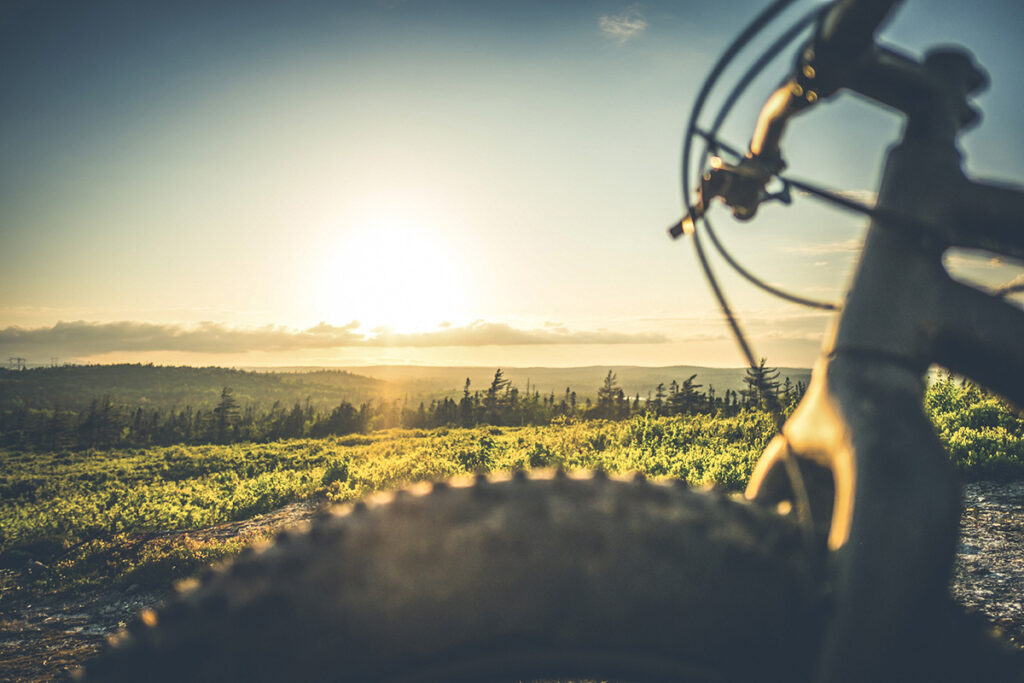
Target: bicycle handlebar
<point>850,26</point>
<point>844,35</point>
<point>842,49</point>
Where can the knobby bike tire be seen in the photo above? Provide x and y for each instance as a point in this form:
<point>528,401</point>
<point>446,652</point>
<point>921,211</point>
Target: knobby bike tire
<point>533,577</point>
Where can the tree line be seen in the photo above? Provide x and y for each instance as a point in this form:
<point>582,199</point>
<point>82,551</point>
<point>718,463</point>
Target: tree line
<point>105,423</point>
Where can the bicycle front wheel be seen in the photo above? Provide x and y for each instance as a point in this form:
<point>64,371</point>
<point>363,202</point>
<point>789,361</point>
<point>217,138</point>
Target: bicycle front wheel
<point>544,576</point>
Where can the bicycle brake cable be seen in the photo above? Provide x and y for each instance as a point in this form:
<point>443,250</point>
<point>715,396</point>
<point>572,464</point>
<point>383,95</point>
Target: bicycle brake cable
<point>752,29</point>
<point>711,142</point>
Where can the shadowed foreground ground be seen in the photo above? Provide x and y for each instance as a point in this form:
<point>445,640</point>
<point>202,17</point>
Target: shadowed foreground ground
<point>42,637</point>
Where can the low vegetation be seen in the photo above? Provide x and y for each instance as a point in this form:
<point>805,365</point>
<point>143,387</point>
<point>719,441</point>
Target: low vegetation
<point>983,436</point>
<point>96,516</point>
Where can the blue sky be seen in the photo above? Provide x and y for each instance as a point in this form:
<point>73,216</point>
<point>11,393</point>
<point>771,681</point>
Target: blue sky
<point>426,182</point>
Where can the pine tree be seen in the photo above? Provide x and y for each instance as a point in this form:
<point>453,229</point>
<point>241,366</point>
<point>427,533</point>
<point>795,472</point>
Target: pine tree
<point>686,397</point>
<point>466,407</point>
<point>608,397</point>
<point>659,398</point>
<point>492,400</point>
<point>225,415</point>
<point>762,386</point>
<point>295,423</point>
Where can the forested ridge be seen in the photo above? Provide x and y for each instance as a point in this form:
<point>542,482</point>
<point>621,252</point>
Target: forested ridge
<point>49,411</point>
<point>74,387</point>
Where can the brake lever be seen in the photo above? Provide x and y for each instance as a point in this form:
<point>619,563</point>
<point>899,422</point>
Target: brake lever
<point>741,186</point>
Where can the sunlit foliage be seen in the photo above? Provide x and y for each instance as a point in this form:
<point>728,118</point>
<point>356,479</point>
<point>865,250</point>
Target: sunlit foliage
<point>80,510</point>
<point>983,436</point>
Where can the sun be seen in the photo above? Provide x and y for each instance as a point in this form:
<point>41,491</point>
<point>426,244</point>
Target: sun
<point>393,271</point>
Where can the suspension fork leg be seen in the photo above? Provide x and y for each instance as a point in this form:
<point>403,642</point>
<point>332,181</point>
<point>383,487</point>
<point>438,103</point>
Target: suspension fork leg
<point>894,518</point>
<point>902,531</point>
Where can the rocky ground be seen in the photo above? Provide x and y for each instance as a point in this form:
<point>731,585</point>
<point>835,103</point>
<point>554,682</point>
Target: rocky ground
<point>43,637</point>
<point>989,571</point>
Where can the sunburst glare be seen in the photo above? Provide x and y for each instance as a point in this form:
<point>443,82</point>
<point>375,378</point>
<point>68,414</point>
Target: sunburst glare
<point>391,268</point>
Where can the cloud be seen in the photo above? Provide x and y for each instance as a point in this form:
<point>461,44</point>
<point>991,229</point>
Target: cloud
<point>789,323</point>
<point>829,247</point>
<point>866,197</point>
<point>81,338</point>
<point>694,337</point>
<point>869,197</point>
<point>1014,286</point>
<point>499,334</point>
<point>88,338</point>
<point>624,26</point>
<point>959,259</point>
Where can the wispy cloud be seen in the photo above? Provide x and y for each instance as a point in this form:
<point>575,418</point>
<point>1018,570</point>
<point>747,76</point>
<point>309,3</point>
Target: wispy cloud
<point>756,315</point>
<point>1014,286</point>
<point>867,197</point>
<point>958,259</point>
<point>842,247</point>
<point>81,338</point>
<point>624,26</point>
<point>499,334</point>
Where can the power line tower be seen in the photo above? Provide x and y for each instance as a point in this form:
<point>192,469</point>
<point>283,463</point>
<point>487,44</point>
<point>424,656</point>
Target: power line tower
<point>16,363</point>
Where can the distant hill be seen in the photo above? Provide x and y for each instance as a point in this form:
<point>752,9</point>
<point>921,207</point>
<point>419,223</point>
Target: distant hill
<point>74,386</point>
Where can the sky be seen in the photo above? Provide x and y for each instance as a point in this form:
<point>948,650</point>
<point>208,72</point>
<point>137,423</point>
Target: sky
<point>407,182</point>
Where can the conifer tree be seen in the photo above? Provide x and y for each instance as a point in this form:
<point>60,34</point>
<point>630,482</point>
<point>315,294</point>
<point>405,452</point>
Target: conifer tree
<point>225,415</point>
<point>609,397</point>
<point>762,386</point>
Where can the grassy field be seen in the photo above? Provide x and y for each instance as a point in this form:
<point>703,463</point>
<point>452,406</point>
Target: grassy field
<point>98,516</point>
<point>81,506</point>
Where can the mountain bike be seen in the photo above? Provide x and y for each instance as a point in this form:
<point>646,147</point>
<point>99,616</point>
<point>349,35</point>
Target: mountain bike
<point>836,566</point>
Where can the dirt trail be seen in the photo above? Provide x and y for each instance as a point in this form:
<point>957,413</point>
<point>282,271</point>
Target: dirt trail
<point>42,637</point>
